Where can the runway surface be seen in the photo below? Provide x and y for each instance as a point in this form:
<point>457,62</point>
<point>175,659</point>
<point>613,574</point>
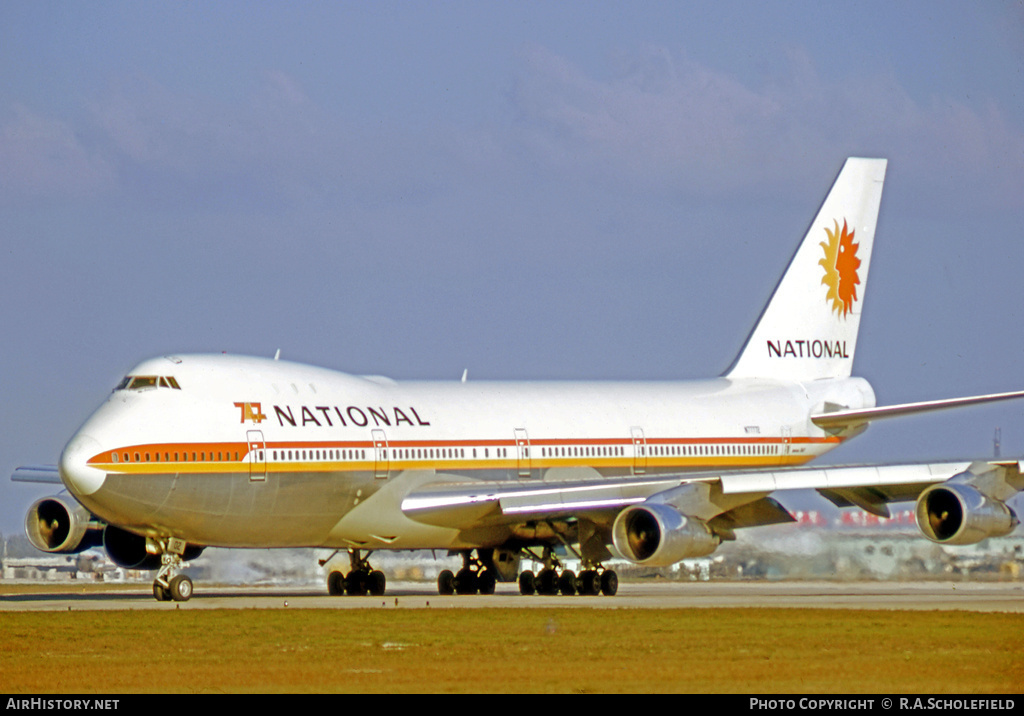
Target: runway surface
<point>962,596</point>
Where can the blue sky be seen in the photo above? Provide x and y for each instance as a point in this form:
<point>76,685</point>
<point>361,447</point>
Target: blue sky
<point>529,190</point>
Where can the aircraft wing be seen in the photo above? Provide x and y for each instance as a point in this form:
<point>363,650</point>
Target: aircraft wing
<point>48,474</point>
<point>733,499</point>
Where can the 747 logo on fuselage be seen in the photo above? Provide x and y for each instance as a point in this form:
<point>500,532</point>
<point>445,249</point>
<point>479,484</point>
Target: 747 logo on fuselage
<point>252,411</point>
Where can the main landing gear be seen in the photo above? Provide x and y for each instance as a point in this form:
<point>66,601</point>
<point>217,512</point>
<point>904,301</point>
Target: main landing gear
<point>476,576</point>
<point>555,579</point>
<point>361,579</point>
<point>168,585</point>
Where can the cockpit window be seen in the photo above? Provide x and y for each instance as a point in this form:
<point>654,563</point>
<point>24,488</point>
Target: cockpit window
<point>140,382</point>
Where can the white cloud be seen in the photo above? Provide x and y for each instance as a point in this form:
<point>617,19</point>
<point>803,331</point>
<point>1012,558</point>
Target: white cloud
<point>42,156</point>
<point>663,123</point>
<point>672,122</point>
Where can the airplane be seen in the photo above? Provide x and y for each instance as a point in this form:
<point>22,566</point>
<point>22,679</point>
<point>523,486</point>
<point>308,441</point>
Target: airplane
<point>196,451</point>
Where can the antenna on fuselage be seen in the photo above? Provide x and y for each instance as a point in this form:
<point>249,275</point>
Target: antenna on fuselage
<point>465,374</point>
<point>278,354</point>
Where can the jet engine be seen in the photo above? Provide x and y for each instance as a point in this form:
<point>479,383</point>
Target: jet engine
<point>659,535</point>
<point>60,524</point>
<point>958,514</point>
<point>127,549</point>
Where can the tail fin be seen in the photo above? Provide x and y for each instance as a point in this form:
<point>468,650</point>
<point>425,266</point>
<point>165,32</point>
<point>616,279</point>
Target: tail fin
<point>808,330</point>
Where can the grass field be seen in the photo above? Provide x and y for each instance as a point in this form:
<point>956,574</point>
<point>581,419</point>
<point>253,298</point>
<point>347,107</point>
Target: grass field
<point>512,650</point>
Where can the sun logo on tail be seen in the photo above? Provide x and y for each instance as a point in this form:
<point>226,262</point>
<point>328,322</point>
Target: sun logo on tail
<point>840,264</point>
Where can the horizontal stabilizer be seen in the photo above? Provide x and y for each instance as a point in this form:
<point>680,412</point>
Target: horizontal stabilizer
<point>48,474</point>
<point>843,419</point>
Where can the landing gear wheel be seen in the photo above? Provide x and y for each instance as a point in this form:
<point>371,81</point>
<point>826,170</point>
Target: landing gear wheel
<point>547,582</point>
<point>527,583</point>
<point>609,583</point>
<point>161,593</point>
<point>465,581</point>
<point>446,583</point>
<point>181,588</point>
<point>567,583</point>
<point>355,583</point>
<point>590,583</point>
<point>376,583</point>
<point>486,581</point>
<point>336,584</point>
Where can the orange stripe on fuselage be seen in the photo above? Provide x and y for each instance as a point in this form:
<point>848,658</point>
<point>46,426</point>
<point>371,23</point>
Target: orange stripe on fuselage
<point>400,455</point>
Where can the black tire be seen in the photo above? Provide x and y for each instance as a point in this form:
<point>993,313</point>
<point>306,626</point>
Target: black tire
<point>567,583</point>
<point>336,584</point>
<point>376,583</point>
<point>465,581</point>
<point>590,583</point>
<point>160,593</point>
<point>486,581</point>
<point>181,588</point>
<point>547,582</point>
<point>609,583</point>
<point>527,583</point>
<point>446,583</point>
<point>355,583</point>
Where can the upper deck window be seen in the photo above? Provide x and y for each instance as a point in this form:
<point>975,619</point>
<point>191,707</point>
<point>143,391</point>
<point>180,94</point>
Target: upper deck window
<point>140,382</point>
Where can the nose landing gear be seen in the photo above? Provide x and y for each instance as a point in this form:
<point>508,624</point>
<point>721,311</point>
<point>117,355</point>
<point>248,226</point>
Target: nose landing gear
<point>168,585</point>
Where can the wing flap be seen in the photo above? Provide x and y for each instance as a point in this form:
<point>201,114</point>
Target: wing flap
<point>918,475</point>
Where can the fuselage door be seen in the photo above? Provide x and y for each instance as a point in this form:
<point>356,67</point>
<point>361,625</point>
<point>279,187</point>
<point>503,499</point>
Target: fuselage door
<point>639,451</point>
<point>522,452</point>
<point>257,455</point>
<point>380,454</point>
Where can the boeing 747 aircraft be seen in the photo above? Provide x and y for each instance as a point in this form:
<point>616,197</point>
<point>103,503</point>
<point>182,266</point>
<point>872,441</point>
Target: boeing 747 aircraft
<point>194,451</point>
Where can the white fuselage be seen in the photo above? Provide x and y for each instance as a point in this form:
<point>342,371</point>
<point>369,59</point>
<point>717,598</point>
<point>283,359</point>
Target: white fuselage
<point>249,452</point>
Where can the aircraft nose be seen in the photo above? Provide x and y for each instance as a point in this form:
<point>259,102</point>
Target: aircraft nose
<point>77,475</point>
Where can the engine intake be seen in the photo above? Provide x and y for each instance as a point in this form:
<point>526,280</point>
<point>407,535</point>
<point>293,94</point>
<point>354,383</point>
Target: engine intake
<point>127,549</point>
<point>959,514</point>
<point>60,524</point>
<point>658,535</point>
